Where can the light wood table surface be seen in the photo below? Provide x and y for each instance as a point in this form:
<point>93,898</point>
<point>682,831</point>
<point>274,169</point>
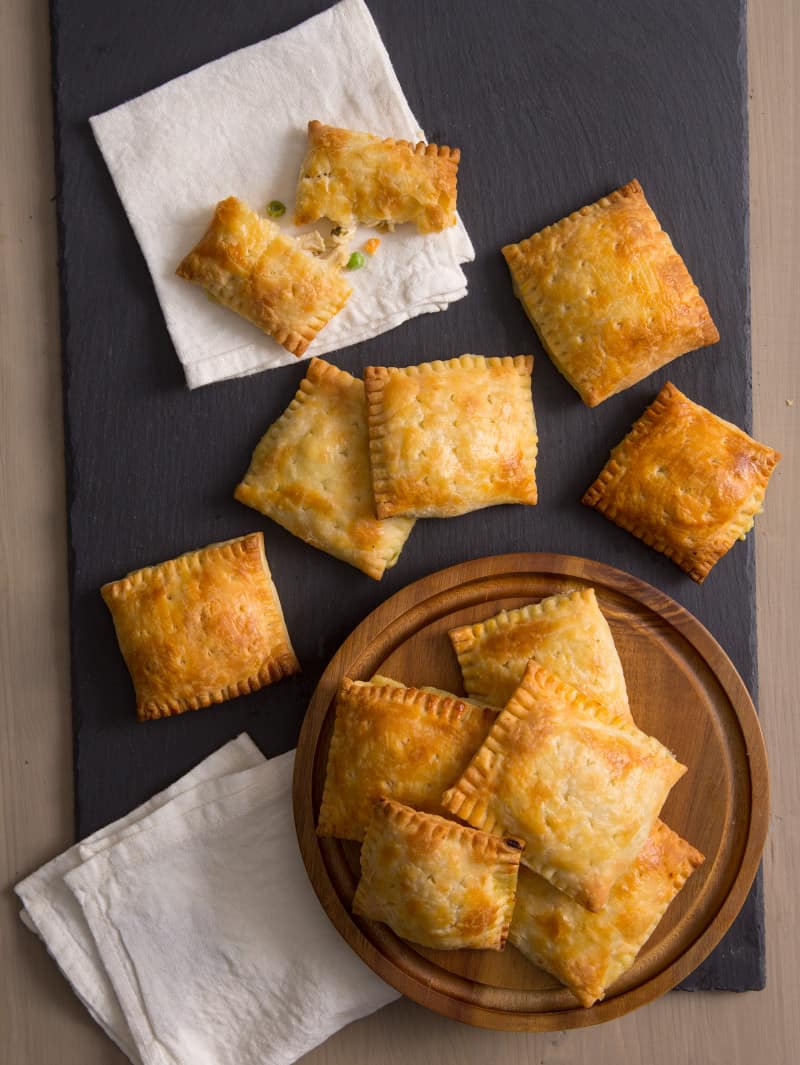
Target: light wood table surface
<point>41,1022</point>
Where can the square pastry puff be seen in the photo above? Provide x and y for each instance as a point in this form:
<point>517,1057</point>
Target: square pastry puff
<point>608,294</point>
<point>352,177</point>
<point>247,263</point>
<point>581,788</point>
<point>435,882</point>
<point>449,437</point>
<point>685,482</point>
<point>389,740</point>
<point>204,627</point>
<point>310,473</point>
<point>567,634</point>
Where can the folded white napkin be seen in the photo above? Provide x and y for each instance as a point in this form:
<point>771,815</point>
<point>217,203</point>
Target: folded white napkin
<point>189,928</point>
<point>237,126</point>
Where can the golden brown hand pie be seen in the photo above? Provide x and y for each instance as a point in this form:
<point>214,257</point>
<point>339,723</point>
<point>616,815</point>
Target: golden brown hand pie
<point>581,787</point>
<point>310,473</point>
<point>608,294</point>
<point>589,951</point>
<point>248,264</point>
<point>204,627</point>
<point>436,882</point>
<point>449,437</point>
<point>567,634</point>
<point>685,482</point>
<point>353,177</point>
<point>403,743</point>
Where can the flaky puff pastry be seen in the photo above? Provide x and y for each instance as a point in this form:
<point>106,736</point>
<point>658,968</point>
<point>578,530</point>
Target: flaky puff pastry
<point>449,437</point>
<point>204,627</point>
<point>608,294</point>
<point>567,634</point>
<point>351,177</point>
<point>685,482</point>
<point>435,882</point>
<point>249,265</point>
<point>589,951</point>
<point>396,742</point>
<point>582,789</point>
<point>310,473</point>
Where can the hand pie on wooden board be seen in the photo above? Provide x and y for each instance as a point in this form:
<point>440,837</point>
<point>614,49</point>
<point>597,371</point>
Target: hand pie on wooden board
<point>204,627</point>
<point>351,177</point>
<point>685,482</point>
<point>567,634</point>
<point>246,263</point>
<point>435,882</point>
<point>310,473</point>
<point>397,742</point>
<point>449,437</point>
<point>609,296</point>
<point>582,791</point>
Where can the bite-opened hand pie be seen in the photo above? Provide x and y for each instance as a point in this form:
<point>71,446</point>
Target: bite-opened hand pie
<point>352,177</point>
<point>435,882</point>
<point>204,627</point>
<point>246,263</point>
<point>396,742</point>
<point>609,296</point>
<point>567,634</point>
<point>686,482</point>
<point>450,437</point>
<point>582,788</point>
<point>310,473</point>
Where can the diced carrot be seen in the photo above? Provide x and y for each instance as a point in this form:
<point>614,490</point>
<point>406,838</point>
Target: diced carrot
<point>372,245</point>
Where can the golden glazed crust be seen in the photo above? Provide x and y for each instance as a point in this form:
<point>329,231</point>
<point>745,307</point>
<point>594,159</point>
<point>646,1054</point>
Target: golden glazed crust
<point>310,473</point>
<point>583,788</point>
<point>608,294</point>
<point>589,951</point>
<point>393,741</point>
<point>567,634</point>
<point>685,482</point>
<point>249,265</point>
<point>204,627</point>
<point>449,437</point>
<point>435,882</point>
<point>352,177</point>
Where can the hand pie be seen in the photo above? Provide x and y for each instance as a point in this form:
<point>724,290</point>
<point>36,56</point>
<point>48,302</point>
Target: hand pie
<point>589,951</point>
<point>352,177</point>
<point>436,882</point>
<point>686,482</point>
<point>567,634</point>
<point>204,627</point>
<point>310,473</point>
<point>248,264</point>
<point>608,295</point>
<point>449,437</point>
<point>394,741</point>
<point>582,791</point>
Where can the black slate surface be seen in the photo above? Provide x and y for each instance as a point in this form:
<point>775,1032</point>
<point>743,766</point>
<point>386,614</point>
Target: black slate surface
<point>553,103</point>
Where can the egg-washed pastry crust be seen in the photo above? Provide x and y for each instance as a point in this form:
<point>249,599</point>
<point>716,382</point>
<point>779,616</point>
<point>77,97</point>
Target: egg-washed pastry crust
<point>435,882</point>
<point>249,265</point>
<point>396,742</point>
<point>449,437</point>
<point>582,787</point>
<point>351,177</point>
<point>310,473</point>
<point>609,296</point>
<point>201,628</point>
<point>684,481</point>
<point>566,633</point>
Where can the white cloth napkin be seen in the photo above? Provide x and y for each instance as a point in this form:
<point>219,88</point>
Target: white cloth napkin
<point>237,126</point>
<point>189,928</point>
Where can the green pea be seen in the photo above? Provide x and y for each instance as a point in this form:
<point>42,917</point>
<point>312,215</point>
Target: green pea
<point>356,261</point>
<point>275,208</point>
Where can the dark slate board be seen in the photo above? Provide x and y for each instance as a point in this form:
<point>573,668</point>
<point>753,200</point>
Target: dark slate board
<point>553,104</point>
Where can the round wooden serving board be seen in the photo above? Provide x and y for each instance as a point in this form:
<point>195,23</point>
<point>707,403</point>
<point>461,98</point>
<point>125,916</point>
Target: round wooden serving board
<point>683,689</point>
